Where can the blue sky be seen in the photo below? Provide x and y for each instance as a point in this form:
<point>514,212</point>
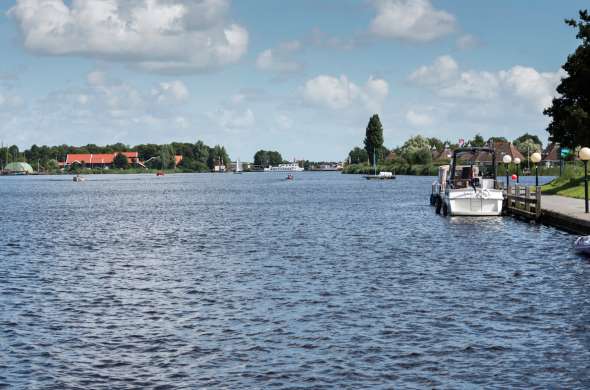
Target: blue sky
<point>302,77</point>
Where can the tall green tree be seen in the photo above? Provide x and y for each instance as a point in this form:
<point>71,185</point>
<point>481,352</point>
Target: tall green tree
<point>374,138</point>
<point>570,112</point>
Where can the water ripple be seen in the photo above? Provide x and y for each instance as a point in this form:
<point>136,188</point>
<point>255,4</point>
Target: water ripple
<point>250,281</point>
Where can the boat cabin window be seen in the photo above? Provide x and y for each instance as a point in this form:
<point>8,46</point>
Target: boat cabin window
<point>467,176</point>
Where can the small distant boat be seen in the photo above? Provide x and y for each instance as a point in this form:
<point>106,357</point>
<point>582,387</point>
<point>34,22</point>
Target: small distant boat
<point>239,169</point>
<point>160,173</point>
<point>79,178</point>
<point>381,175</point>
<point>290,177</point>
<point>582,245</point>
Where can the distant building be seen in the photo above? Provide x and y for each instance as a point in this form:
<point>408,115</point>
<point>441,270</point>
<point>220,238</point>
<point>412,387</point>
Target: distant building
<point>101,160</point>
<point>507,148</point>
<point>552,154</point>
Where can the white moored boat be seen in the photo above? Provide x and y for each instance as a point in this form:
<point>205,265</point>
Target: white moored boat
<point>468,186</point>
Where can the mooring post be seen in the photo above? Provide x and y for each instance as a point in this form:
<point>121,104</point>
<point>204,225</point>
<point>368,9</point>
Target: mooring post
<point>538,202</point>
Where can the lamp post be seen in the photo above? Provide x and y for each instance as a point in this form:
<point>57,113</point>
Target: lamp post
<point>517,162</point>
<point>585,156</point>
<point>506,160</point>
<point>536,159</point>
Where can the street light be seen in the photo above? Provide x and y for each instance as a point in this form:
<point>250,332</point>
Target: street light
<point>536,159</point>
<point>506,160</point>
<point>585,156</point>
<point>517,162</point>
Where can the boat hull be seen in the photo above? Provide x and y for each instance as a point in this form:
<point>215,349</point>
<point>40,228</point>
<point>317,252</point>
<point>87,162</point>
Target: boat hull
<point>479,203</point>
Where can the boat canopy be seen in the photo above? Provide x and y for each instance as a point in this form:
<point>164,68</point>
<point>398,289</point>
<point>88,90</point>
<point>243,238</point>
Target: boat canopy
<point>468,159</point>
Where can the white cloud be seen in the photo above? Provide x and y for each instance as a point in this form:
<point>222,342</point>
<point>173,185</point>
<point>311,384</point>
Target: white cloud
<point>173,91</point>
<point>472,84</point>
<point>319,38</point>
<point>419,118</point>
<point>467,41</point>
<point>339,93</point>
<point>233,119</point>
<point>444,68</point>
<point>173,36</point>
<point>280,60</point>
<point>411,20</point>
<point>531,85</point>
<point>522,83</point>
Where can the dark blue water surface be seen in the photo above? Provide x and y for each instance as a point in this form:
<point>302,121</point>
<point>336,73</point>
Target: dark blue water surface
<point>251,281</point>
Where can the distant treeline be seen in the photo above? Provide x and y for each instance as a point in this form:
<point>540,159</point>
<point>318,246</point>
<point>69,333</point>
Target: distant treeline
<point>197,157</point>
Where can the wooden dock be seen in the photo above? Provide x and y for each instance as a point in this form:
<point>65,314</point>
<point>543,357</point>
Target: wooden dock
<point>524,201</point>
<point>557,211</point>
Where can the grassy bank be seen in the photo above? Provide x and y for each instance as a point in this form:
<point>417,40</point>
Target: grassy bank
<point>570,184</point>
<point>432,169</point>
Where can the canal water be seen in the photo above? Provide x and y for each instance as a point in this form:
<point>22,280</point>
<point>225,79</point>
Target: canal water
<point>251,281</point>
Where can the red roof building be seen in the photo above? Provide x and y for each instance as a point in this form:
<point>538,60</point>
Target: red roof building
<point>100,159</point>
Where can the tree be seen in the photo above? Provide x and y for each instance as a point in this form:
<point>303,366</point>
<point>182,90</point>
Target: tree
<point>120,161</point>
<point>275,157</point>
<point>570,112</point>
<point>13,153</point>
<point>374,138</point>
<point>265,158</point>
<point>261,158</point>
<point>201,152</point>
<point>415,149</point>
<point>527,136</point>
<point>358,156</point>
<point>422,156</point>
<point>493,140</point>
<point>436,143</point>
<point>477,141</point>
<point>52,165</point>
<point>217,154</point>
<point>528,143</point>
<point>167,159</point>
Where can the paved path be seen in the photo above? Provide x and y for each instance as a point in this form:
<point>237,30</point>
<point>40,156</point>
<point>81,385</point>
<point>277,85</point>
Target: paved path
<point>566,212</point>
